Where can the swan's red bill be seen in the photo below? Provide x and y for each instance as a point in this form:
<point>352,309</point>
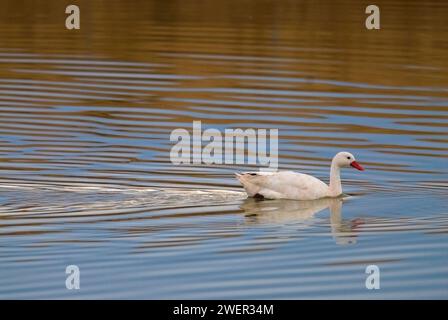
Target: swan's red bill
<point>356,165</point>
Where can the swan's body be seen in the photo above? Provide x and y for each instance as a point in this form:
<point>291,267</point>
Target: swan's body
<point>294,185</point>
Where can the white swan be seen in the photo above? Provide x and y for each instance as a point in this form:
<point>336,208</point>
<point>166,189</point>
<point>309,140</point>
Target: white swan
<point>297,186</point>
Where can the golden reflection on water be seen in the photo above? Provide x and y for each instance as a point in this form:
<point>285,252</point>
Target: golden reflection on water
<point>85,118</point>
<point>102,101</point>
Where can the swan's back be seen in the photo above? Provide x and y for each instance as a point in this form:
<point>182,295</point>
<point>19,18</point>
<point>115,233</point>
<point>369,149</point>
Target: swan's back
<point>283,185</point>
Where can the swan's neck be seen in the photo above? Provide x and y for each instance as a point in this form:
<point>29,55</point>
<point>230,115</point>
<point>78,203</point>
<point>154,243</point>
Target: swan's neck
<point>335,188</point>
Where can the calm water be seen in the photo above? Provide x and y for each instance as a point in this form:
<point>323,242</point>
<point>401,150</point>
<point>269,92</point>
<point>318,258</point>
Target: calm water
<point>85,174</point>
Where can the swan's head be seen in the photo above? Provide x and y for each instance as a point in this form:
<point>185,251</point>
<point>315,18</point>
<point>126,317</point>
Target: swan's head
<point>346,159</point>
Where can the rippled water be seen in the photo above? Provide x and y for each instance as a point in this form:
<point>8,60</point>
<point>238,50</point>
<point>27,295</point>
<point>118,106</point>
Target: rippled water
<point>86,178</point>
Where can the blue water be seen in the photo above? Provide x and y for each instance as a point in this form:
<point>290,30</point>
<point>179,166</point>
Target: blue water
<point>86,178</point>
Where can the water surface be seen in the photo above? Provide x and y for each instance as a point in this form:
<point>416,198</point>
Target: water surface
<point>86,178</point>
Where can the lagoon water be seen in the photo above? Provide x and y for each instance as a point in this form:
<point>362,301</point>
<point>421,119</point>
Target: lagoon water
<point>86,178</point>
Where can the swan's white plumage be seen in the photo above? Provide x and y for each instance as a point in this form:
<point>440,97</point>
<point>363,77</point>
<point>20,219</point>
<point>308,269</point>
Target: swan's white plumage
<point>283,185</point>
<point>294,185</point>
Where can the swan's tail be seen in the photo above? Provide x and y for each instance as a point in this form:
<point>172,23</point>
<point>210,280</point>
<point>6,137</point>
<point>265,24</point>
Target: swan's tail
<point>247,180</point>
<point>239,176</point>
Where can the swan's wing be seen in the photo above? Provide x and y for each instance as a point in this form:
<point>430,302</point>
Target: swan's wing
<point>283,184</point>
<point>253,182</point>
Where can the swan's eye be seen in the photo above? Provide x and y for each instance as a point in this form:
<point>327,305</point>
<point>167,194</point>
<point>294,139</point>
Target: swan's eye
<point>348,158</point>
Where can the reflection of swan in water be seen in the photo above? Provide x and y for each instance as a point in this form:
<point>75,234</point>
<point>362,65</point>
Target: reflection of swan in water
<point>297,186</point>
<point>289,211</point>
